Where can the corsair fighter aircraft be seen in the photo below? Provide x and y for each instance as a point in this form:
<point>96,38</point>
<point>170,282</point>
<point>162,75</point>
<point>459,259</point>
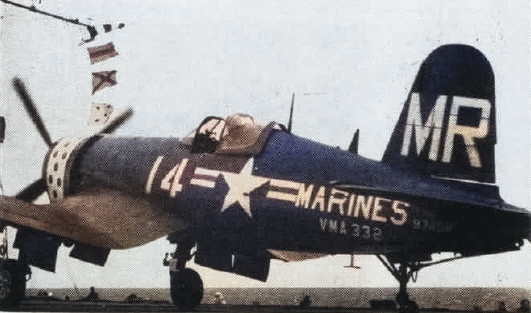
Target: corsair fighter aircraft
<point>238,194</point>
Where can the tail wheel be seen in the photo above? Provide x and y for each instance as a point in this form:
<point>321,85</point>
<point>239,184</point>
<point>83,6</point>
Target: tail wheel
<point>12,283</point>
<point>186,288</point>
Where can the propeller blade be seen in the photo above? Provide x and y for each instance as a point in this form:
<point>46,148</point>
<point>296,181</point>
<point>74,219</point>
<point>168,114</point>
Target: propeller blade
<point>32,110</point>
<point>353,148</point>
<point>291,112</point>
<point>32,191</point>
<point>116,122</point>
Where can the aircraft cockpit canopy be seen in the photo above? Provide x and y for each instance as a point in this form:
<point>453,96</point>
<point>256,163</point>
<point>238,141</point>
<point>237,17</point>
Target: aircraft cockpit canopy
<point>236,134</point>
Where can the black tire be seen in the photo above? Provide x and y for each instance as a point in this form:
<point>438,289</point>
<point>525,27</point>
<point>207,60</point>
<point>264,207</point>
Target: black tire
<point>12,283</point>
<point>186,288</point>
<point>411,307</point>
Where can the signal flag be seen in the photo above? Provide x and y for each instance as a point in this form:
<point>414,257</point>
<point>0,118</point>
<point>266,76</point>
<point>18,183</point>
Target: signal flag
<point>101,53</point>
<point>103,79</point>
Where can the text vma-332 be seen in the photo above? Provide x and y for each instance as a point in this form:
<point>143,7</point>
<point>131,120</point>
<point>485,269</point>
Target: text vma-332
<point>234,194</point>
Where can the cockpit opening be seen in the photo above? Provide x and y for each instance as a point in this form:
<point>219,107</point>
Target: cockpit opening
<point>237,134</point>
<point>208,135</point>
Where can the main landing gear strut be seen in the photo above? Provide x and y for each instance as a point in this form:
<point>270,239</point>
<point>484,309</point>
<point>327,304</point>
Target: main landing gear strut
<point>403,273</point>
<point>404,270</point>
<point>186,286</point>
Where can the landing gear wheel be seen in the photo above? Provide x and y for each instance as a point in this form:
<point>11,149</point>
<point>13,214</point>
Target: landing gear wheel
<point>403,273</point>
<point>186,288</point>
<point>406,305</point>
<point>411,307</point>
<point>12,283</point>
<point>402,298</point>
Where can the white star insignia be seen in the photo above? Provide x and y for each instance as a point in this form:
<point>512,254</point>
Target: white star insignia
<point>240,186</point>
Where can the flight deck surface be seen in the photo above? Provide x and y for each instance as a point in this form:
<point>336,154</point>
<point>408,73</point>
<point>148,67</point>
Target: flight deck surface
<point>108,306</point>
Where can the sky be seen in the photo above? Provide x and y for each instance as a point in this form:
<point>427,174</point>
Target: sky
<point>350,64</point>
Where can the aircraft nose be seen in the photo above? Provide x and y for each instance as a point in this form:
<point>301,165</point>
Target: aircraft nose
<point>58,164</point>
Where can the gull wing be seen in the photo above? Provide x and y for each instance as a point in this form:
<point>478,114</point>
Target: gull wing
<point>108,218</point>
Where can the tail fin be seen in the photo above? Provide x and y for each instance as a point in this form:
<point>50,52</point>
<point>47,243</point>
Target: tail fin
<point>447,126</point>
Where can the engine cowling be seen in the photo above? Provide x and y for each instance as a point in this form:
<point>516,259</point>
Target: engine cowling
<point>58,165</point>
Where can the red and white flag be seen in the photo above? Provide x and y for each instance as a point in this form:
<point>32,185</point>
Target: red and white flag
<point>101,53</point>
<point>103,79</point>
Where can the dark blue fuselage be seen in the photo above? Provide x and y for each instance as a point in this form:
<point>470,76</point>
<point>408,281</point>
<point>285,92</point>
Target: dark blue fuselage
<point>299,195</point>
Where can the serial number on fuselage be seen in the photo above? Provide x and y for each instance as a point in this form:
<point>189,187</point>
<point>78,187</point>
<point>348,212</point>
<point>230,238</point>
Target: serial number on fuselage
<point>431,225</point>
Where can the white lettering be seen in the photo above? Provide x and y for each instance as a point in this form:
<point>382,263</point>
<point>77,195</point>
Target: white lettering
<point>332,226</point>
<point>468,133</point>
<point>364,206</point>
<point>351,202</point>
<point>377,234</point>
<point>176,185</point>
<point>365,232</point>
<point>165,184</point>
<point>152,173</point>
<point>304,195</point>
<point>399,208</point>
<point>355,230</point>
<point>433,127</point>
<point>170,182</point>
<point>378,208</point>
<point>422,130</point>
<point>337,198</point>
<point>319,200</point>
<point>343,228</point>
<point>323,222</point>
